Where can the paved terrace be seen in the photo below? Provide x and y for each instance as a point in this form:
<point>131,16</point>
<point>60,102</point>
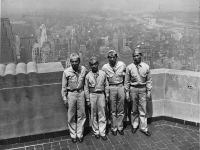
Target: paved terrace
<point>33,116</point>
<point>166,135</point>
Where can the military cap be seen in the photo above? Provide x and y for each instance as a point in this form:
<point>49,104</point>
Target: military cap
<point>74,55</point>
<point>137,50</point>
<point>112,52</point>
<point>93,58</point>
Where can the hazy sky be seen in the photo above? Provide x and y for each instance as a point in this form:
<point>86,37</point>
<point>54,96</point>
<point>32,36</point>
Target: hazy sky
<point>23,6</point>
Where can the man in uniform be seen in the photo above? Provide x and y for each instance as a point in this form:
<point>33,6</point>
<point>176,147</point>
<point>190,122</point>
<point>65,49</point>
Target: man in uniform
<point>97,93</point>
<point>115,71</point>
<point>138,84</point>
<point>74,97</point>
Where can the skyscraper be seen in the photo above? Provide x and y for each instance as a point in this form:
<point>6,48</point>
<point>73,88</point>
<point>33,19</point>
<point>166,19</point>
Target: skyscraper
<point>42,34</point>
<point>23,57</point>
<point>124,39</point>
<point>115,41</point>
<point>37,53</point>
<point>17,47</point>
<point>69,45</point>
<point>27,42</point>
<point>7,49</point>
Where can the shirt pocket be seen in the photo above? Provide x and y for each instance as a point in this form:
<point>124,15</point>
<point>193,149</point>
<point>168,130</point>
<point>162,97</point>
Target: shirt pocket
<point>72,78</point>
<point>72,81</point>
<point>91,83</point>
<point>133,77</point>
<point>143,74</point>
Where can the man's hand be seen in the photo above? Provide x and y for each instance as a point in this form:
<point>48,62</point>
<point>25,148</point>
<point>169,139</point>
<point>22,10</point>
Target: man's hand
<point>107,99</point>
<point>128,97</point>
<point>66,103</point>
<point>148,95</point>
<point>88,103</point>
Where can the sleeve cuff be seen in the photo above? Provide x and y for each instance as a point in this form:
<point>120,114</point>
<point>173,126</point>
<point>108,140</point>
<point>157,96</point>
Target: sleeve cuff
<point>64,98</point>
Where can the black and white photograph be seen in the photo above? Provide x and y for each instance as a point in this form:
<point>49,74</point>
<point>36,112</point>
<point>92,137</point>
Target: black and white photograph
<point>100,75</point>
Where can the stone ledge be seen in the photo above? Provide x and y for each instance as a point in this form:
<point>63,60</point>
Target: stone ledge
<point>32,86</point>
<point>30,74</point>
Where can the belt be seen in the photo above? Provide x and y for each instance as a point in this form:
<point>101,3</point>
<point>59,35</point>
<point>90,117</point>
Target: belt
<point>139,86</point>
<point>116,84</point>
<point>75,90</point>
<point>92,90</point>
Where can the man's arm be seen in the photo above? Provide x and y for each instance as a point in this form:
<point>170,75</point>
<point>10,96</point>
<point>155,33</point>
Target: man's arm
<point>149,80</point>
<point>124,71</point>
<point>86,89</point>
<point>82,78</point>
<point>103,68</point>
<point>127,80</point>
<point>64,88</point>
<point>106,88</point>
<point>149,84</point>
<point>127,84</point>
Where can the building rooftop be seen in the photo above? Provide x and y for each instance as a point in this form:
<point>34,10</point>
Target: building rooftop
<point>165,135</point>
<point>33,116</point>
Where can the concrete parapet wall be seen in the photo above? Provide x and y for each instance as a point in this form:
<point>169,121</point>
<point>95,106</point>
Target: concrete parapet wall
<point>177,93</point>
<point>30,74</point>
<point>182,95</point>
<point>31,102</point>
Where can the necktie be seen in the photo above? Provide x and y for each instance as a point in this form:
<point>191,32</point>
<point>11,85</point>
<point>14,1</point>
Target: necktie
<point>95,78</point>
<point>137,66</point>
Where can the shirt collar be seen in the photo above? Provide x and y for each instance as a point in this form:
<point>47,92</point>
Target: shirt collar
<point>114,65</point>
<point>140,65</point>
<point>79,70</point>
<point>97,73</point>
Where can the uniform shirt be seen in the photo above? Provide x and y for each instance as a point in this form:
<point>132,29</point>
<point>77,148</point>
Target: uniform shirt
<point>98,81</point>
<point>138,73</point>
<point>115,74</point>
<point>73,80</point>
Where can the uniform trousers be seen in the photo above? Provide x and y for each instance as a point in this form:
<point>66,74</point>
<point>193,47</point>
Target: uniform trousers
<point>117,97</point>
<point>76,107</point>
<point>138,112</point>
<point>98,116</point>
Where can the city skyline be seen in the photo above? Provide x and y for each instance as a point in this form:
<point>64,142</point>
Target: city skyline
<point>27,6</point>
<point>168,38</point>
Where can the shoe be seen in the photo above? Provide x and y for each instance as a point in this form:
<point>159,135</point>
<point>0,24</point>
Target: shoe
<point>114,133</point>
<point>73,140</point>
<point>97,136</point>
<point>147,133</point>
<point>104,138</point>
<point>134,130</point>
<point>80,140</point>
<point>121,132</point>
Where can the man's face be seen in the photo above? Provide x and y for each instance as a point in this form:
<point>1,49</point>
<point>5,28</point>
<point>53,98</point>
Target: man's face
<point>75,63</point>
<point>137,57</point>
<point>94,65</point>
<point>112,59</point>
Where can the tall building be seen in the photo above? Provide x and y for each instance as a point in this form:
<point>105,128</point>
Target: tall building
<point>69,45</point>
<point>68,63</point>
<point>45,53</point>
<point>17,47</point>
<point>124,39</point>
<point>42,34</point>
<point>23,57</point>
<point>73,46</point>
<point>82,49</point>
<point>7,49</point>
<point>115,41</point>
<point>37,53</point>
<point>106,41</point>
<point>27,42</point>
